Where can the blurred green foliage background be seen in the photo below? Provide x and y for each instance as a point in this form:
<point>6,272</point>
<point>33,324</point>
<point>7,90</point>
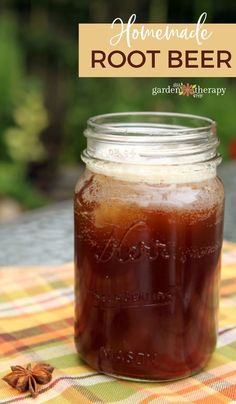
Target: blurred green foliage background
<point>43,104</point>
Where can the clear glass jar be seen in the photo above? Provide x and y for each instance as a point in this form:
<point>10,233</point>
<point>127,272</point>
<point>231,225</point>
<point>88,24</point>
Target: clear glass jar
<point>148,237</point>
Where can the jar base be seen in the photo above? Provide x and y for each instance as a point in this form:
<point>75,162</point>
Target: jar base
<point>152,379</point>
<point>157,380</point>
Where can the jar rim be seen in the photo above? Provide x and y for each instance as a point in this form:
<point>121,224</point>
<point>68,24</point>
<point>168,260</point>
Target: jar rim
<point>149,124</point>
<point>151,138</point>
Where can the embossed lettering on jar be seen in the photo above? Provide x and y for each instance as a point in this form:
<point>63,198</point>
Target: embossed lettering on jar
<point>148,237</point>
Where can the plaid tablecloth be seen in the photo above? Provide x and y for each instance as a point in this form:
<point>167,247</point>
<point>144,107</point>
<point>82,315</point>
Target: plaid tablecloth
<point>36,324</point>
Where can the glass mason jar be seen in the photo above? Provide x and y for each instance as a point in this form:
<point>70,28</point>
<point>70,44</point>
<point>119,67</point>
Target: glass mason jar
<point>148,237</point>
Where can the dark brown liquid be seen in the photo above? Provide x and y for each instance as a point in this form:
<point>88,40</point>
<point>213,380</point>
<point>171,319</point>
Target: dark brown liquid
<point>147,276</point>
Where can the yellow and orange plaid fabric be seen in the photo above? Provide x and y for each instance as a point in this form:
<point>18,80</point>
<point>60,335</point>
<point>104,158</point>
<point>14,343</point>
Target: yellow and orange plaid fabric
<point>36,324</point>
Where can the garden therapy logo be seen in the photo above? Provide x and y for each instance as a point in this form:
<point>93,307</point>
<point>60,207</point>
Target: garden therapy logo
<point>189,90</point>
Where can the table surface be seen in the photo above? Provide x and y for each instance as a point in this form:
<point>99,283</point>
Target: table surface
<point>37,325</point>
<point>45,236</point>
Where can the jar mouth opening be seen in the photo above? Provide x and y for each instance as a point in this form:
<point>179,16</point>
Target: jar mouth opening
<point>132,126</point>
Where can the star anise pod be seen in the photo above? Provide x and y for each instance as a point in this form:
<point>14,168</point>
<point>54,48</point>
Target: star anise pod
<point>27,379</point>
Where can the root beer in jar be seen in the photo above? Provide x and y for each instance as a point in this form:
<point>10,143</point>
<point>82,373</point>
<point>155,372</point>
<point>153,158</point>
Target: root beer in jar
<point>148,236</point>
